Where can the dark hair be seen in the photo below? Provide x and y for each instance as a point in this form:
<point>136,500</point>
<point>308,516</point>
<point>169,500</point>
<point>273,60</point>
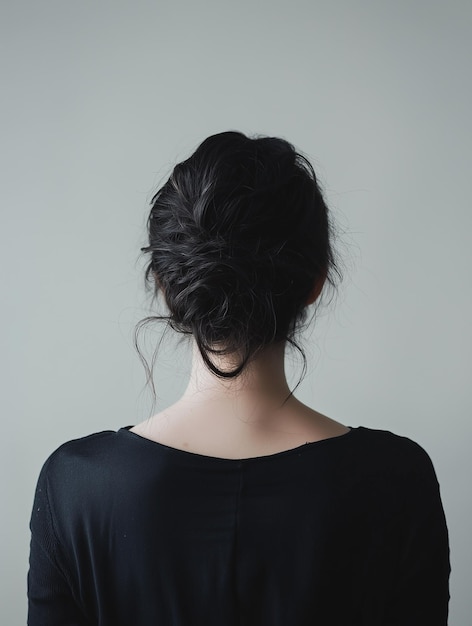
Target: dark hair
<point>238,237</point>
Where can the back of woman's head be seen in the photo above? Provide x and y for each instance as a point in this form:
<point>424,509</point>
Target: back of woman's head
<point>239,236</point>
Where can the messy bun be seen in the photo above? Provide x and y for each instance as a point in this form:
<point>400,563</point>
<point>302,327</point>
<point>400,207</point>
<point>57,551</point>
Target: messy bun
<point>238,237</point>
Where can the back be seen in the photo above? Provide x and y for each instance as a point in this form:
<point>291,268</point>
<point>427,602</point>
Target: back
<point>345,531</point>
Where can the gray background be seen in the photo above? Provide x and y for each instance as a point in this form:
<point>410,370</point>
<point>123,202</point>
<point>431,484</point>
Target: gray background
<point>101,98</point>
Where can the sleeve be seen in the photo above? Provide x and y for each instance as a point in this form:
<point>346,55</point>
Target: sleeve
<point>421,591</point>
<point>50,597</point>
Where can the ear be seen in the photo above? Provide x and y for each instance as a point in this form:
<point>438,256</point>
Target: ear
<point>317,287</point>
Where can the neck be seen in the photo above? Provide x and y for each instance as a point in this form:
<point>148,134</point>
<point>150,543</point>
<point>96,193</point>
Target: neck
<point>252,396</point>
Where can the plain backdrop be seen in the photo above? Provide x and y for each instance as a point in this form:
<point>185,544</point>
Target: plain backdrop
<point>101,98</point>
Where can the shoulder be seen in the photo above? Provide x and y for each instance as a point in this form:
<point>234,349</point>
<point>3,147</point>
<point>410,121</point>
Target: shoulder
<point>68,473</point>
<point>81,447</point>
<point>387,439</point>
<point>394,452</point>
<point>78,460</point>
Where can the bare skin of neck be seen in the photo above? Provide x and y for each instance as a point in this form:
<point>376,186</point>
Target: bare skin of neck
<point>241,417</point>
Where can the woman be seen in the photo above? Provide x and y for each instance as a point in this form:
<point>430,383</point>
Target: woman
<point>239,504</point>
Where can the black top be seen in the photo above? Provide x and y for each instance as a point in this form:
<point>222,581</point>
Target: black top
<point>340,532</point>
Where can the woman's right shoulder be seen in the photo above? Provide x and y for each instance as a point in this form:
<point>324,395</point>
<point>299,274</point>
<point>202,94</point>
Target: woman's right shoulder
<point>391,450</point>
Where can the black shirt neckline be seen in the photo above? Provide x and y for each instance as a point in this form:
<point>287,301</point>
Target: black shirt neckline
<point>125,430</point>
